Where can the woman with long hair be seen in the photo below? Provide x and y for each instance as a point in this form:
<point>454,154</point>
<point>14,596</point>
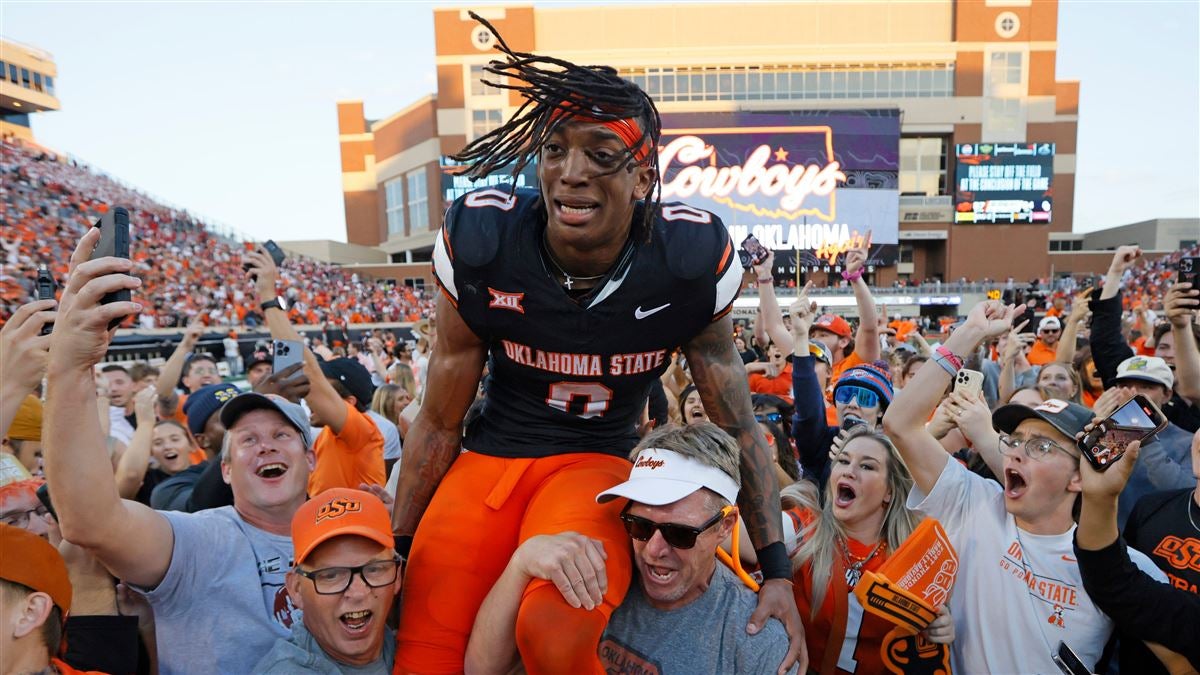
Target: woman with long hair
<point>1061,378</point>
<point>863,521</point>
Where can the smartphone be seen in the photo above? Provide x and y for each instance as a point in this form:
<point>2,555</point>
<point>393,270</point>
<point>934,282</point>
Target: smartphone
<point>45,291</point>
<point>286,353</point>
<point>43,495</point>
<point>969,382</point>
<point>754,248</point>
<point>1136,420</point>
<point>114,242</point>
<point>273,249</point>
<point>851,421</point>
<point>1189,271</point>
<point>1023,314</point>
<point>1068,662</point>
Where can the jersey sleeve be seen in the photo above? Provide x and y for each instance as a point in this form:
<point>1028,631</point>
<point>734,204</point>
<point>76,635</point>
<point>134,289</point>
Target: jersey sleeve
<point>471,233</point>
<point>729,279</point>
<point>700,249</point>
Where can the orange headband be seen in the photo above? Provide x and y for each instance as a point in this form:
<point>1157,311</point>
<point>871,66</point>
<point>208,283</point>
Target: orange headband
<point>627,129</point>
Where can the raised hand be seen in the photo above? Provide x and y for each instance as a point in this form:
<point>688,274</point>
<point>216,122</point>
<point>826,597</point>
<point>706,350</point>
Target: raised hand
<point>1124,258</point>
<point>856,259</point>
<point>81,335</point>
<point>1181,304</point>
<point>143,405</point>
<point>23,348</point>
<point>991,318</point>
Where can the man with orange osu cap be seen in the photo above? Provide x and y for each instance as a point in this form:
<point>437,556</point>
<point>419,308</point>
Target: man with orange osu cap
<point>345,580</point>
<point>35,597</point>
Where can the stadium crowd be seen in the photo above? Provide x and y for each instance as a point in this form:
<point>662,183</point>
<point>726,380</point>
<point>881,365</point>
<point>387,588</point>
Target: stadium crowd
<point>545,486</point>
<point>190,272</point>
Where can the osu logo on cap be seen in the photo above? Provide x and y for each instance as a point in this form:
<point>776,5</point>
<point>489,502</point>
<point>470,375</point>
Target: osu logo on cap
<point>1052,406</point>
<point>646,462</point>
<point>337,508</point>
<point>223,395</point>
<point>1138,364</point>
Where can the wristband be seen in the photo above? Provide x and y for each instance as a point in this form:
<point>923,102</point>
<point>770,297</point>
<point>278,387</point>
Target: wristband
<point>773,561</point>
<point>852,276</point>
<point>768,280</point>
<point>950,356</point>
<point>403,544</point>
<point>947,360</point>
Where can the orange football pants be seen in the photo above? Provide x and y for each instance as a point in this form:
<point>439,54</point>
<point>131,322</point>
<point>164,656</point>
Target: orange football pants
<point>484,508</point>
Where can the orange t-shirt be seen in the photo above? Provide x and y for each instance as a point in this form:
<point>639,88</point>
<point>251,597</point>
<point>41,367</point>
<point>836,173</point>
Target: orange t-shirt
<point>780,385</point>
<point>1040,354</point>
<point>354,456</point>
<point>836,372</point>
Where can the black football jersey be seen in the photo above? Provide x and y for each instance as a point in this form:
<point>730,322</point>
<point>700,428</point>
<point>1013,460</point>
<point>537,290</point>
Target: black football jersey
<point>567,376</point>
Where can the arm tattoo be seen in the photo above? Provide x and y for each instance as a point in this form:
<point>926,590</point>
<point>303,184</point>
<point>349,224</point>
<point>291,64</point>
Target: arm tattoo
<point>426,461</point>
<point>721,380</point>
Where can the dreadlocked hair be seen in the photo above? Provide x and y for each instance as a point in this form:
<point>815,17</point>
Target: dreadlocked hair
<point>554,90</point>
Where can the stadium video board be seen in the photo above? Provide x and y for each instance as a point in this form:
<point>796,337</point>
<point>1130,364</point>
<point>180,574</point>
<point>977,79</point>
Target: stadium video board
<point>808,184</point>
<point>455,185</point>
<point>1004,183</point>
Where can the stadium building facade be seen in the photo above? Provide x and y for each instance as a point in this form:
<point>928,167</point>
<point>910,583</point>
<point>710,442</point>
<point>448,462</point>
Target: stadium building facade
<point>962,81</point>
<point>27,75</point>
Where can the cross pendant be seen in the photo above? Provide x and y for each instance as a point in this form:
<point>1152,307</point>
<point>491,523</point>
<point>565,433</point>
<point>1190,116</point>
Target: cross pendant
<point>568,282</point>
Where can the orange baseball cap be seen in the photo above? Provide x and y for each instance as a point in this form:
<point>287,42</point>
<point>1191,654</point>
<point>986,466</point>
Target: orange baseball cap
<point>336,512</point>
<point>833,324</point>
<point>31,561</point>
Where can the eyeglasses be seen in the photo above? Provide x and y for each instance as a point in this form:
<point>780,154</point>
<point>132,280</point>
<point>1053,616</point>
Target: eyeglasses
<point>678,536</point>
<point>21,518</point>
<point>334,580</point>
<point>847,393</point>
<point>1035,448</point>
<point>769,417</point>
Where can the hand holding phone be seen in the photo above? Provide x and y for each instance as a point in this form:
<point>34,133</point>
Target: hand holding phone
<point>755,250</point>
<point>46,287</point>
<point>1189,271</point>
<point>969,382</point>
<point>1136,420</point>
<point>275,252</point>
<point>286,353</point>
<point>114,242</point>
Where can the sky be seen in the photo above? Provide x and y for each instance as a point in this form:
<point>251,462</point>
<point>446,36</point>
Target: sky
<point>228,109</point>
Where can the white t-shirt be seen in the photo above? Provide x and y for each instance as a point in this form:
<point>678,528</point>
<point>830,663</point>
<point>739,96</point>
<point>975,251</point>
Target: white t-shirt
<point>1017,594</point>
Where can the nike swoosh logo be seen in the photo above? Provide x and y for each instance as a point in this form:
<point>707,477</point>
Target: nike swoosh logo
<point>639,314</point>
<point>1070,560</point>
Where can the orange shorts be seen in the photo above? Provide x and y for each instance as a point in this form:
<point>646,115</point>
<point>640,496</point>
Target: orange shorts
<point>484,508</point>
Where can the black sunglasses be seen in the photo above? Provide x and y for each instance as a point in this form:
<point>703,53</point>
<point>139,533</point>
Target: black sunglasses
<point>769,417</point>
<point>678,536</point>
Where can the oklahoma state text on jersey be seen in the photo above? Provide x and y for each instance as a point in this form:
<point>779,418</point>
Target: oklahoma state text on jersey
<point>565,377</point>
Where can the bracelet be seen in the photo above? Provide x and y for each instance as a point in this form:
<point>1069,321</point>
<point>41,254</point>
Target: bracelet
<point>768,280</point>
<point>773,561</point>
<point>852,276</point>
<point>950,356</point>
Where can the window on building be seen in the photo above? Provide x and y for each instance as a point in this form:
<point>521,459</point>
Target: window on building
<point>393,198</point>
<point>12,74</point>
<point>1004,69</point>
<point>37,82</point>
<point>478,88</point>
<point>905,253</point>
<point>25,81</point>
<point>3,70</point>
<point>49,85</point>
<point>418,201</point>
<point>923,166</point>
<point>483,121</point>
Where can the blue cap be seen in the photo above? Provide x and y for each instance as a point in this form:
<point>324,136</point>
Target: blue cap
<point>202,403</point>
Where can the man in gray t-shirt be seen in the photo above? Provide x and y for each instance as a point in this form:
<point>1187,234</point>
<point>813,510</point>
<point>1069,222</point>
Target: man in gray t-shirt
<point>684,613</point>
